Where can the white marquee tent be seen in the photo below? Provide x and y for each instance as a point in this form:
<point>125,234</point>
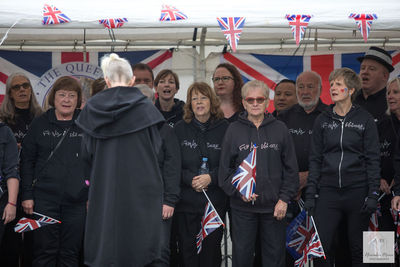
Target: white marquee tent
<point>266,29</point>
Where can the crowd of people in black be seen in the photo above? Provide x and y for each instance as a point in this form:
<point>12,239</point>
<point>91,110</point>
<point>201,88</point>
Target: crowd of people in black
<point>122,176</point>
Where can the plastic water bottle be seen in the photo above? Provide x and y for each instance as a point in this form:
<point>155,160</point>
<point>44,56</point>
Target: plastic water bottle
<point>204,169</point>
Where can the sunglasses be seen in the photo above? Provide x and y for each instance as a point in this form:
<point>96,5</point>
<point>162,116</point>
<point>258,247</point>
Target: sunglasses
<point>18,86</point>
<point>251,100</point>
<point>223,78</point>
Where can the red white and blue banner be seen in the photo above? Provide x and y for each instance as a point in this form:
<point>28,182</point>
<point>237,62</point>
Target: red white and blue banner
<point>43,68</point>
<point>273,68</point>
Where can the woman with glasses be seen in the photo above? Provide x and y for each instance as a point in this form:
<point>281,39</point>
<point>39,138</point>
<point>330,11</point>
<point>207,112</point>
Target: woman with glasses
<point>53,179</point>
<point>19,106</point>
<point>17,111</point>
<point>263,213</point>
<point>227,85</point>
<point>200,135</point>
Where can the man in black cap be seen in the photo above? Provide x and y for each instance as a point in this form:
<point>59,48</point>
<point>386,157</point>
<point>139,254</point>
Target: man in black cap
<point>376,65</point>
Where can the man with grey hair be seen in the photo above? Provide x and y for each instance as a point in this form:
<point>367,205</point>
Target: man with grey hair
<point>375,68</point>
<point>300,118</point>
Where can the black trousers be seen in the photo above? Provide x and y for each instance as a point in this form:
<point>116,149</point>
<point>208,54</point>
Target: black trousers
<point>58,245</point>
<point>272,233</point>
<point>334,204</point>
<point>189,225</point>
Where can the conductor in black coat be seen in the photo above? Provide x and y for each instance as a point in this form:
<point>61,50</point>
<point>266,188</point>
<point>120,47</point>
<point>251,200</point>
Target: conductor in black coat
<point>121,143</point>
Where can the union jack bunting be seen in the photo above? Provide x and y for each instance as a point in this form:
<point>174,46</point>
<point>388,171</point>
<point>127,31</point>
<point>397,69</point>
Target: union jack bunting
<point>210,222</point>
<point>313,249</point>
<point>364,23</point>
<point>170,13</point>
<point>298,234</point>
<point>298,24</point>
<point>232,28</point>
<point>244,179</point>
<point>113,23</point>
<point>26,224</point>
<point>373,221</point>
<point>52,15</point>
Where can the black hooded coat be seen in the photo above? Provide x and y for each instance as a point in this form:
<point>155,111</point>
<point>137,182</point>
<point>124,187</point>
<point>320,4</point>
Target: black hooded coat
<point>121,143</point>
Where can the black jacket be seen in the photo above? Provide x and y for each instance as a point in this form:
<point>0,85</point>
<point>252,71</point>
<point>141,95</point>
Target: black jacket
<point>191,139</point>
<point>8,155</point>
<point>375,104</point>
<point>344,151</point>
<point>277,173</point>
<point>121,143</point>
<point>169,160</point>
<point>389,134</point>
<point>176,113</point>
<point>62,178</point>
<point>300,125</point>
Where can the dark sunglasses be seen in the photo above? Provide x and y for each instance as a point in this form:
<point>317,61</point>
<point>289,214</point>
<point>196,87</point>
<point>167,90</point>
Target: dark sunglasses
<point>251,100</point>
<point>18,86</point>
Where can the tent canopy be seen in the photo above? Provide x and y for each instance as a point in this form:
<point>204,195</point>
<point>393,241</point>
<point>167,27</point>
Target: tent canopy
<point>265,26</point>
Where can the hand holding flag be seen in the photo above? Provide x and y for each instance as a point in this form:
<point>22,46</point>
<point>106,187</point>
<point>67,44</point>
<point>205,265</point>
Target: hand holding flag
<point>244,179</point>
<point>27,224</point>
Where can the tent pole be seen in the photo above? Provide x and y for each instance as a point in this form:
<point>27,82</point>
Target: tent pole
<point>194,72</point>
<point>202,54</point>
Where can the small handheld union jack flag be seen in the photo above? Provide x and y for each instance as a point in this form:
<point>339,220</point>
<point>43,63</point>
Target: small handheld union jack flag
<point>52,15</point>
<point>232,28</point>
<point>364,23</point>
<point>245,177</point>
<point>396,220</point>
<point>298,24</point>
<point>170,13</point>
<point>26,224</point>
<point>113,23</point>
<point>302,239</point>
<point>373,220</point>
<point>209,223</point>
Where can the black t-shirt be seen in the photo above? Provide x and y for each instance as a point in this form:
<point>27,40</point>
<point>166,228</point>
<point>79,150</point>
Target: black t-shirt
<point>375,104</point>
<point>300,125</point>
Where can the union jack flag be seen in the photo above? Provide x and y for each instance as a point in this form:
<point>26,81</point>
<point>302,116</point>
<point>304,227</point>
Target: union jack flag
<point>364,23</point>
<point>298,234</point>
<point>313,249</point>
<point>210,222</point>
<point>396,220</point>
<point>298,24</point>
<point>232,28</point>
<point>26,224</point>
<point>244,179</point>
<point>373,221</point>
<point>113,23</point>
<point>52,15</point>
<point>170,13</point>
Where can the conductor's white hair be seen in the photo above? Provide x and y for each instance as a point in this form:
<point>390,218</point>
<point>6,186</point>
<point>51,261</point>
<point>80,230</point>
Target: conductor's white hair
<point>116,69</point>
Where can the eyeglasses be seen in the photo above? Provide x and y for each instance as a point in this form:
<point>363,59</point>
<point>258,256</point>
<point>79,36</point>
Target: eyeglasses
<point>199,99</point>
<point>18,86</point>
<point>223,78</point>
<point>251,100</point>
<point>69,96</point>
